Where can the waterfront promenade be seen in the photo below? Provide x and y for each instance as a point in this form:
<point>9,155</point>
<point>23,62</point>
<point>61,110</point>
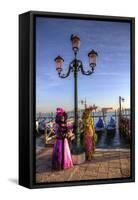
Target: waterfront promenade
<point>106,164</point>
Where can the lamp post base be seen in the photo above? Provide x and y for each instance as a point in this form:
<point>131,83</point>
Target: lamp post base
<point>77,151</point>
<point>78,158</point>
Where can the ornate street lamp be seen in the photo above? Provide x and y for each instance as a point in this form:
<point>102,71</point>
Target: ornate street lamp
<point>75,66</point>
<point>59,62</point>
<point>75,40</point>
<point>92,58</point>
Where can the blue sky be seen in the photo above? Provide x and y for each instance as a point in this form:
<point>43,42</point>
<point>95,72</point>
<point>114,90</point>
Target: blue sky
<point>112,74</point>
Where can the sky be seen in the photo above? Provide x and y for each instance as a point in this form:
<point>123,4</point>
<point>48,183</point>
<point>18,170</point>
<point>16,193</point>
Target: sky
<point>111,78</point>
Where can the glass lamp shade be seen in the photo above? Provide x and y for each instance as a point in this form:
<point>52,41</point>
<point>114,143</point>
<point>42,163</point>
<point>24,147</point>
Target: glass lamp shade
<point>75,42</point>
<point>92,58</point>
<point>59,62</point>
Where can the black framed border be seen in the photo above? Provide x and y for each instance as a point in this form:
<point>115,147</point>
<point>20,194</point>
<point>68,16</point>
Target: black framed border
<point>27,102</point>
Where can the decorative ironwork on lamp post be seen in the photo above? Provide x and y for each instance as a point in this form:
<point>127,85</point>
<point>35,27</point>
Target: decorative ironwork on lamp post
<point>75,66</point>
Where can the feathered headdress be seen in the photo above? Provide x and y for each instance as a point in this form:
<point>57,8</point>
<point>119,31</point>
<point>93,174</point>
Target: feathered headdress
<point>59,113</point>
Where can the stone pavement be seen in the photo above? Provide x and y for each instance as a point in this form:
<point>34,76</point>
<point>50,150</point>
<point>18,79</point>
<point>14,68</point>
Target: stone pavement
<point>106,164</point>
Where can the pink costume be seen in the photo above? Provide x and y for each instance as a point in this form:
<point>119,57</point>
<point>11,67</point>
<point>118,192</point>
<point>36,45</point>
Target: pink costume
<point>61,152</point>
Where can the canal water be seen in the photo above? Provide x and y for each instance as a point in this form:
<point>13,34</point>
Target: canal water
<point>110,140</point>
<point>106,139</point>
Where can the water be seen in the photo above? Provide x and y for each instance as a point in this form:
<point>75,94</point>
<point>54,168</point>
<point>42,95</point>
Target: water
<point>104,139</point>
<point>109,140</point>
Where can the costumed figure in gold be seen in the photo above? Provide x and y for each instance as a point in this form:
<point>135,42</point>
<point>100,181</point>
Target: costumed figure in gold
<point>89,135</point>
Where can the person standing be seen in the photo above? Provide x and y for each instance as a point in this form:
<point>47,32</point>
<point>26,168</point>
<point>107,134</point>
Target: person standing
<point>89,135</point>
<point>61,158</point>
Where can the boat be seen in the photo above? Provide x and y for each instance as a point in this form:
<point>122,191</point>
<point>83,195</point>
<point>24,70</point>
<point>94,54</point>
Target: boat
<point>100,125</point>
<point>111,126</point>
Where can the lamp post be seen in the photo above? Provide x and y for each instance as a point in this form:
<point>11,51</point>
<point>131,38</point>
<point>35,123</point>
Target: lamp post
<point>121,99</point>
<point>75,66</point>
<point>83,102</point>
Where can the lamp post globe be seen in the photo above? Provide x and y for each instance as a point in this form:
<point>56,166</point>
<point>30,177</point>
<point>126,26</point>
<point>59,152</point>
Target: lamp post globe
<point>92,58</point>
<point>75,40</point>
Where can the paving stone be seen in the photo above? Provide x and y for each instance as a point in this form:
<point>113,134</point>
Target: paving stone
<point>103,169</point>
<point>125,172</point>
<point>91,173</point>
<point>113,175</point>
<point>98,155</point>
<point>114,164</point>
<point>112,154</point>
<point>104,165</point>
<point>124,160</point>
<point>102,175</point>
<point>87,177</point>
<point>125,166</point>
<point>92,168</point>
<point>39,178</point>
<point>116,170</point>
<point>125,155</point>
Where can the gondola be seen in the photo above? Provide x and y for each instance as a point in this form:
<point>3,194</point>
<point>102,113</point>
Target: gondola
<point>111,126</point>
<point>100,126</point>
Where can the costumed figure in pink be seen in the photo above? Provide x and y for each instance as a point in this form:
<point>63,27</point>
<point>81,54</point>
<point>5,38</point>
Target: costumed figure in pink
<point>61,151</point>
